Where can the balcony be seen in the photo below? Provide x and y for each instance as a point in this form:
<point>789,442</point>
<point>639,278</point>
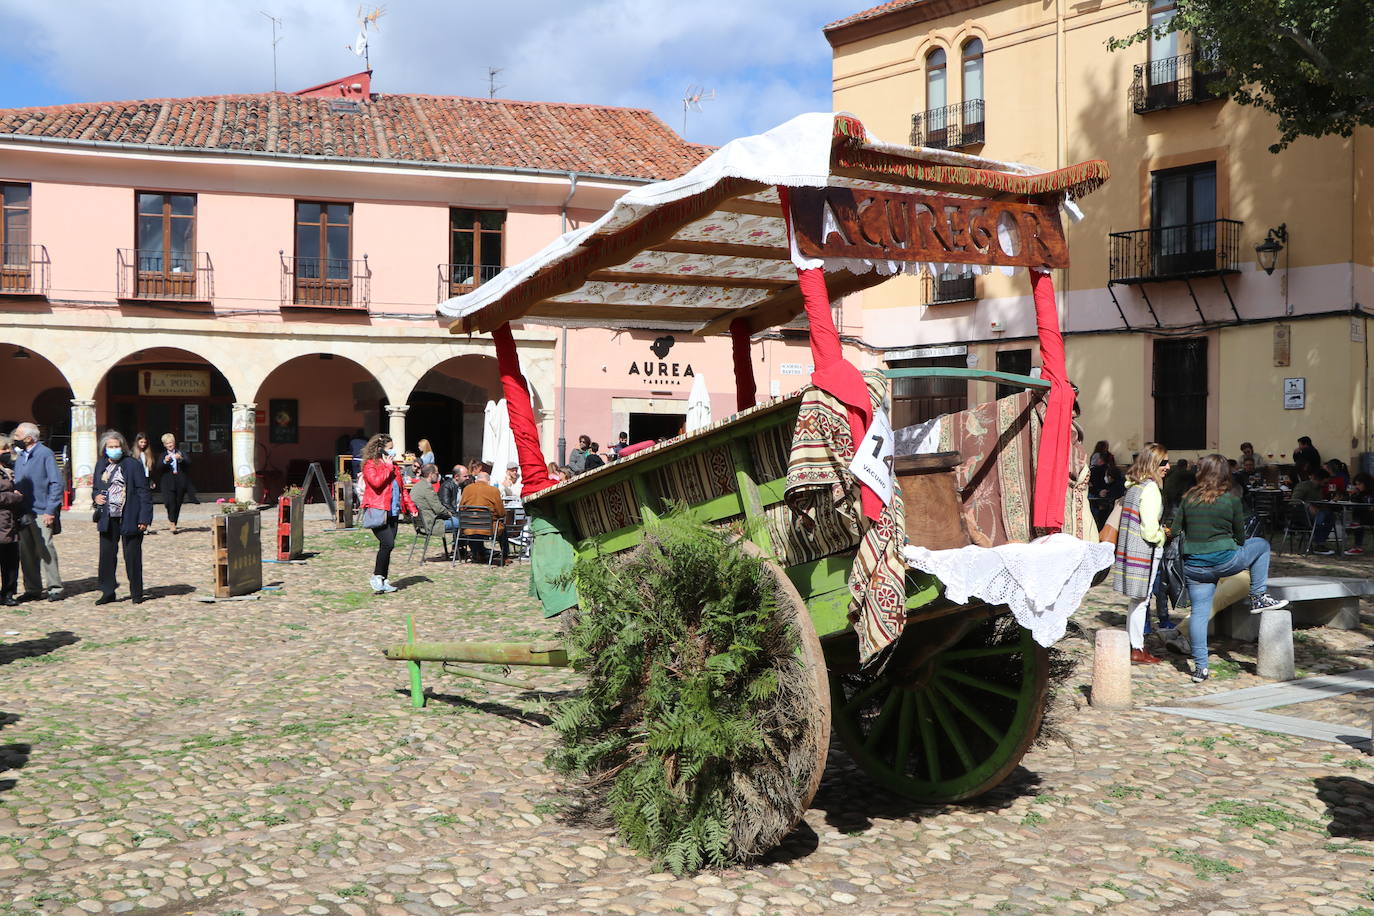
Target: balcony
<point>461,279</point>
<point>157,276</point>
<point>945,288</point>
<point>1206,249</point>
<point>951,127</point>
<point>23,270</point>
<point>325,283</point>
<point>1173,81</point>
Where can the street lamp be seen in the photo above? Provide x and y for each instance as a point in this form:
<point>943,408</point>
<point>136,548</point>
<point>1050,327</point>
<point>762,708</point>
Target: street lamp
<point>1267,251</point>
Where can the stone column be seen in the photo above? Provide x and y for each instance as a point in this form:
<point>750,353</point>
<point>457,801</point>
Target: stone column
<point>1111,670</point>
<point>243,435</point>
<point>397,427</point>
<point>84,451</point>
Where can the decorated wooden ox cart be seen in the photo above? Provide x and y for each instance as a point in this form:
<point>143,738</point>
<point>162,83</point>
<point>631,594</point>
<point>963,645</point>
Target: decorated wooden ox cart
<point>908,560</point>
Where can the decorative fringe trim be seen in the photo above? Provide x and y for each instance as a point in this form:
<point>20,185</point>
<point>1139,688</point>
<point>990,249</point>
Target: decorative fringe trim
<point>1075,180</point>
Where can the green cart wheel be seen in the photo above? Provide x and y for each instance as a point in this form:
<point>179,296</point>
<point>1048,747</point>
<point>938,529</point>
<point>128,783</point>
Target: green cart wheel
<point>951,727</point>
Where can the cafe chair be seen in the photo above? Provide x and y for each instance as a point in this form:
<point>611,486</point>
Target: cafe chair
<point>422,534</point>
<point>483,525</point>
<point>517,533</point>
<point>1297,526</point>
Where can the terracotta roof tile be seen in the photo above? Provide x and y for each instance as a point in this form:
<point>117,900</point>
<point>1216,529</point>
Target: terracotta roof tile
<point>872,13</point>
<point>595,139</point>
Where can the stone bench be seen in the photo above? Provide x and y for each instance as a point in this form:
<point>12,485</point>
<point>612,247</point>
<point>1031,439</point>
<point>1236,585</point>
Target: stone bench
<point>1313,600</point>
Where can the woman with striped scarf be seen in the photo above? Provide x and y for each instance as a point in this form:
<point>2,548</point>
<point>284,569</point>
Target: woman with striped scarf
<point>1140,542</point>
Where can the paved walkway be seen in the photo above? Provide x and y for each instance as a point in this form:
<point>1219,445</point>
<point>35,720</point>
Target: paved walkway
<point>261,758</point>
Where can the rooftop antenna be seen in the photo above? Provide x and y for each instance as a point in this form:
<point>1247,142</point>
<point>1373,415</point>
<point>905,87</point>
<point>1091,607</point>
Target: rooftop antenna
<point>493,86</point>
<point>692,100</point>
<point>365,21</point>
<point>276,23</point>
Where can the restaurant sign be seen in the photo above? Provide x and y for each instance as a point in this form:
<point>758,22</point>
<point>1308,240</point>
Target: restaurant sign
<point>834,222</point>
<point>661,371</point>
<point>174,383</point>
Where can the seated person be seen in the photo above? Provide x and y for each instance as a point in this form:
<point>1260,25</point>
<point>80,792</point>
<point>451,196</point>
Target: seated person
<point>480,494</point>
<point>1310,490</point>
<point>430,506</point>
<point>1361,491</point>
<point>453,488</point>
<point>1339,481</point>
<point>1247,451</point>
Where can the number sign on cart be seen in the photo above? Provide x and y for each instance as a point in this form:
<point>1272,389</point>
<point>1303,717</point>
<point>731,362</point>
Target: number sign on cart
<point>872,462</point>
<point>838,222</point>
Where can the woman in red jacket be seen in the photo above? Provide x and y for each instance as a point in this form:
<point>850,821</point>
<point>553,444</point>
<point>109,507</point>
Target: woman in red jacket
<point>384,489</point>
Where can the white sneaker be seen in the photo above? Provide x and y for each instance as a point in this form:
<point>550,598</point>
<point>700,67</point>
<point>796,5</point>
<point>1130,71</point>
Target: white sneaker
<point>378,584</point>
<point>387,586</point>
<point>1265,602</point>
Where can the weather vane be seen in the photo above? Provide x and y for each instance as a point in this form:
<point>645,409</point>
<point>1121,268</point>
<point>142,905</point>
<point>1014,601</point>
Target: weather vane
<point>366,21</point>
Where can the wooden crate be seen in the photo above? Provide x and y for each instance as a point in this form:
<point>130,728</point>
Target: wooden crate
<point>236,539</point>
<point>343,504</point>
<point>290,528</point>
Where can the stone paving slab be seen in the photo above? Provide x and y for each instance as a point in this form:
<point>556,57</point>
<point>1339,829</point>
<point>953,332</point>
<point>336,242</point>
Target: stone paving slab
<point>253,758</point>
<point>1284,725</point>
<point>1287,692</point>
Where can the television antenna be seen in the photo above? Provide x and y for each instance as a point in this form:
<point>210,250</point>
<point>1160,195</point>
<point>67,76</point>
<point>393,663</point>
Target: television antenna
<point>366,21</point>
<point>691,101</point>
<point>276,23</point>
<point>493,86</point>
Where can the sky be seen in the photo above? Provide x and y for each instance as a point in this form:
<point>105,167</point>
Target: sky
<point>766,60</point>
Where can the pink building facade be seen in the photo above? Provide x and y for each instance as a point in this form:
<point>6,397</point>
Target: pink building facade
<point>258,276</point>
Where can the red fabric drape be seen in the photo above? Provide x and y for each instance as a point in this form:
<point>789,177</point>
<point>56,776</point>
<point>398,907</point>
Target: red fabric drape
<point>534,473</point>
<point>746,392</point>
<point>1052,464</point>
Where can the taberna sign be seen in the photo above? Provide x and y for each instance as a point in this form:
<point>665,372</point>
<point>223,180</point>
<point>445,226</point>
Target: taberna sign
<point>662,371</point>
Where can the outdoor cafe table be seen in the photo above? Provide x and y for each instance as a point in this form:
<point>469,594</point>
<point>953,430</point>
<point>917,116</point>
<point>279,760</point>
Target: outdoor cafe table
<point>1338,509</point>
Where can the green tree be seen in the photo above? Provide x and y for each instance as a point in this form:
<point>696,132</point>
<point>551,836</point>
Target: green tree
<point>1310,62</point>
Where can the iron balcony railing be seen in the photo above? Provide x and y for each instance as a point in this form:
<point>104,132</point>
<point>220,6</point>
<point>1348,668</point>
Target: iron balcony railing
<point>1175,252</point>
<point>182,276</point>
<point>325,283</point>
<point>23,270</point>
<point>460,279</point>
<point>947,287</point>
<point>950,127</point>
<point>1173,81</point>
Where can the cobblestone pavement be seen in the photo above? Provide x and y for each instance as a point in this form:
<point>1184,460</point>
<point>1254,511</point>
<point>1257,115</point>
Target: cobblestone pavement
<point>260,757</point>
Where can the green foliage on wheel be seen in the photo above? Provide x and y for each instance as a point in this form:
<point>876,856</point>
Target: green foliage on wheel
<point>952,726</point>
<point>697,732</point>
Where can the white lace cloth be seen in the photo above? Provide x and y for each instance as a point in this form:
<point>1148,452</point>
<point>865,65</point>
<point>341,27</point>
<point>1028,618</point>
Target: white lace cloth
<point>1043,582</point>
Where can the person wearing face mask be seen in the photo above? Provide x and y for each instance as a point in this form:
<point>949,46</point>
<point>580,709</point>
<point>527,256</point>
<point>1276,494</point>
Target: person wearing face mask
<point>37,477</point>
<point>10,502</point>
<point>384,490</point>
<point>123,512</point>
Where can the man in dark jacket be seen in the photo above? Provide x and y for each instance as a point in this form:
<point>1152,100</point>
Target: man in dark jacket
<point>452,489</point>
<point>123,512</point>
<point>37,477</point>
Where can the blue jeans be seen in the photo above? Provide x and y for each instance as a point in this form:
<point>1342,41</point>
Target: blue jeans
<point>1202,587</point>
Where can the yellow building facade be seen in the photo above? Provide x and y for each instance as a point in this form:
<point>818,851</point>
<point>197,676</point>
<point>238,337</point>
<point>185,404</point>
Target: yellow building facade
<point>1173,330</point>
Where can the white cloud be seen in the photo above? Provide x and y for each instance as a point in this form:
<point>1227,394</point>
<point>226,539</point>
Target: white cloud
<point>766,59</point>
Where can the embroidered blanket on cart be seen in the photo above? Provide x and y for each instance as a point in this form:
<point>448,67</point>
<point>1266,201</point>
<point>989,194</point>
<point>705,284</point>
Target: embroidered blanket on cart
<point>818,481</point>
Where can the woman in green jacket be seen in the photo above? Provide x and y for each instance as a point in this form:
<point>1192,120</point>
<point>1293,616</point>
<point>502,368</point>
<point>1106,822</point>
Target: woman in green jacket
<point>1213,524</point>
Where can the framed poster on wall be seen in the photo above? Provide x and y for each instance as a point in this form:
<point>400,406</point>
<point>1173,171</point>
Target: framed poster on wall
<point>190,422</point>
<point>283,419</point>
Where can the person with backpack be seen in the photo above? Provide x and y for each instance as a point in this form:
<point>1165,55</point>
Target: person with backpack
<point>1140,543</point>
<point>1212,522</point>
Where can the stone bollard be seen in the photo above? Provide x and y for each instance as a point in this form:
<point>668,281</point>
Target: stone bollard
<point>1276,645</point>
<point>1112,670</point>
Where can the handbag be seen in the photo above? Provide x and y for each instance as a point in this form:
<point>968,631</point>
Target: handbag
<point>374,518</point>
<point>1111,526</point>
<point>1172,574</point>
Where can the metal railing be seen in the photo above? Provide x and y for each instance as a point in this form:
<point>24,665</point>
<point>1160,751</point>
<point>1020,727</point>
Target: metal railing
<point>23,270</point>
<point>1173,81</point>
<point>942,288</point>
<point>460,279</point>
<point>144,274</point>
<point>325,283</point>
<point>950,127</point>
<point>1175,252</point>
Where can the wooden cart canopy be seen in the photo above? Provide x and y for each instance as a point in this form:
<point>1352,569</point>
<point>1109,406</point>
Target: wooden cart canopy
<point>697,252</point>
